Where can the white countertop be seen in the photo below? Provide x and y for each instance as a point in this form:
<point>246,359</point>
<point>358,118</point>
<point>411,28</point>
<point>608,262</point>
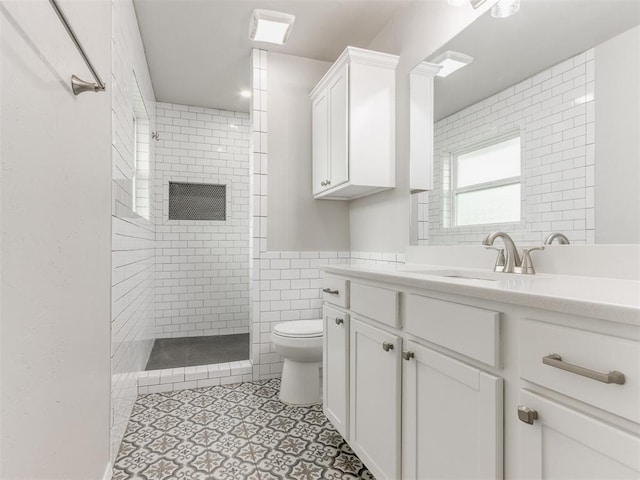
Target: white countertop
<point>606,298</point>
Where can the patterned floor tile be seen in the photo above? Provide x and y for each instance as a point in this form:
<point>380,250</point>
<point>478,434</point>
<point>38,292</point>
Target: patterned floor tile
<point>232,432</point>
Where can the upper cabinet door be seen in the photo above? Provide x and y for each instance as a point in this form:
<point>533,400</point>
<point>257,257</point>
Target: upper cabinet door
<point>564,443</point>
<point>339,128</point>
<point>451,418</point>
<point>320,120</point>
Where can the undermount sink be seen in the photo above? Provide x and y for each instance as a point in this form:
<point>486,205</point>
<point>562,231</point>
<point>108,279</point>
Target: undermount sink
<point>464,274</point>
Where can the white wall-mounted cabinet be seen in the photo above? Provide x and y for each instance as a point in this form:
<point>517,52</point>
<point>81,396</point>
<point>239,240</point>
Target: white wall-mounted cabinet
<point>353,115</point>
<point>421,126</point>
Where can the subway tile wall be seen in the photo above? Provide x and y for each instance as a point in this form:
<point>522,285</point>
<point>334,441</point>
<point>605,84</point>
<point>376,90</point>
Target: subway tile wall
<point>202,267</point>
<point>133,237</point>
<point>554,112</point>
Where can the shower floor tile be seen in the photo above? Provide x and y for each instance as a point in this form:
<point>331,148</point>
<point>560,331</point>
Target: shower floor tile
<point>232,432</point>
<point>193,351</point>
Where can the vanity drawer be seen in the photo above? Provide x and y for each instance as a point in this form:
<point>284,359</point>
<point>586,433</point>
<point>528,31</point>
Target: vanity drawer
<point>471,331</point>
<point>593,353</point>
<point>335,290</point>
<point>380,304</point>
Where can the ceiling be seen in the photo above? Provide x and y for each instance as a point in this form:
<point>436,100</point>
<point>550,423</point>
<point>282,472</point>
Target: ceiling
<point>507,51</point>
<point>198,51</point>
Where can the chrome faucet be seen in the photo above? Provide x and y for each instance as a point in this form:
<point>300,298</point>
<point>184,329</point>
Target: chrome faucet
<point>562,239</point>
<point>511,259</point>
<point>508,259</point>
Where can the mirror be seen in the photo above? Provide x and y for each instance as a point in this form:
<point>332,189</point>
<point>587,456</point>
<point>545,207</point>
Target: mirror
<point>556,83</point>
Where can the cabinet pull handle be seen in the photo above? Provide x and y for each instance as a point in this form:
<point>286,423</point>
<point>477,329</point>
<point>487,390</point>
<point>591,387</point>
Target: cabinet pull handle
<point>527,415</point>
<point>323,183</point>
<point>339,321</point>
<point>555,360</point>
<point>408,355</point>
<point>386,346</point>
<point>331,292</point>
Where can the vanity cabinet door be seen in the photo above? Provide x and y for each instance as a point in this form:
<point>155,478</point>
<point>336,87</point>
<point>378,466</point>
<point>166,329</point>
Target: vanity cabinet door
<point>451,418</point>
<point>375,398</point>
<point>565,443</point>
<point>335,373</point>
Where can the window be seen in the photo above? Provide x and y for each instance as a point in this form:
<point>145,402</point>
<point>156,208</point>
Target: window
<point>486,183</point>
<point>140,188</point>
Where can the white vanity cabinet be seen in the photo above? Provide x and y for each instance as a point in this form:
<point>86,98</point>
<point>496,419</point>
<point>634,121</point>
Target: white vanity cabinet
<point>353,133</point>
<point>429,415</point>
<point>443,382</point>
<point>560,439</point>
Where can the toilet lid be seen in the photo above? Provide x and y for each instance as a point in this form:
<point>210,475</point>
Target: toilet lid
<point>299,328</point>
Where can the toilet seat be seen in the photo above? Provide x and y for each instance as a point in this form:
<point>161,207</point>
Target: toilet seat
<point>299,329</point>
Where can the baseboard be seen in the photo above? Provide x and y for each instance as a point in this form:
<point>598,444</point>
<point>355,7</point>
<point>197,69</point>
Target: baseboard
<point>108,473</point>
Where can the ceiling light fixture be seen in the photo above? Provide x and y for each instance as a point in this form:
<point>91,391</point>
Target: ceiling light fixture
<point>463,3</point>
<point>451,61</point>
<point>270,26</point>
<point>505,8</point>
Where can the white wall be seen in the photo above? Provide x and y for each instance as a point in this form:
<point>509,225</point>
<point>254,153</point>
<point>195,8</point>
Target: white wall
<point>133,265</point>
<point>202,266</point>
<point>381,222</point>
<point>617,134</point>
<point>553,113</point>
<point>297,221</point>
<point>55,191</point>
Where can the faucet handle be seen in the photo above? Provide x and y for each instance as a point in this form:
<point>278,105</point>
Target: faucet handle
<point>527,263</point>
<point>500,260</point>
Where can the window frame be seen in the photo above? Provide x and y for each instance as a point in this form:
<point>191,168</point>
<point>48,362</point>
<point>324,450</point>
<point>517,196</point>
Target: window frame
<point>134,177</point>
<point>477,187</point>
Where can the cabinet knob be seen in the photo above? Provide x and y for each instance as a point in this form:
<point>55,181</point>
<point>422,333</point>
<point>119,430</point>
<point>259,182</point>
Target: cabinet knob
<point>386,346</point>
<point>527,415</point>
<point>328,182</point>
<point>339,321</point>
<point>408,355</point>
<point>323,183</point>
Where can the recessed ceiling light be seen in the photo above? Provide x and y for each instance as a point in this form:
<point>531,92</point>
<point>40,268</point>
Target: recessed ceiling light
<point>451,62</point>
<point>245,93</point>
<point>505,8</point>
<point>463,3</point>
<point>270,26</point>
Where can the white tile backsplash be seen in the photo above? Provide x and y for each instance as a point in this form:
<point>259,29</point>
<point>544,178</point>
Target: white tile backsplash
<point>553,110</point>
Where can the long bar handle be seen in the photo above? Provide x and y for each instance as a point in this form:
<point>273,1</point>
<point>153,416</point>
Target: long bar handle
<point>555,360</point>
<point>331,292</point>
<point>78,85</point>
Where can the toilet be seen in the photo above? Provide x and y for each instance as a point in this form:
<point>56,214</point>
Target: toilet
<point>299,343</point>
